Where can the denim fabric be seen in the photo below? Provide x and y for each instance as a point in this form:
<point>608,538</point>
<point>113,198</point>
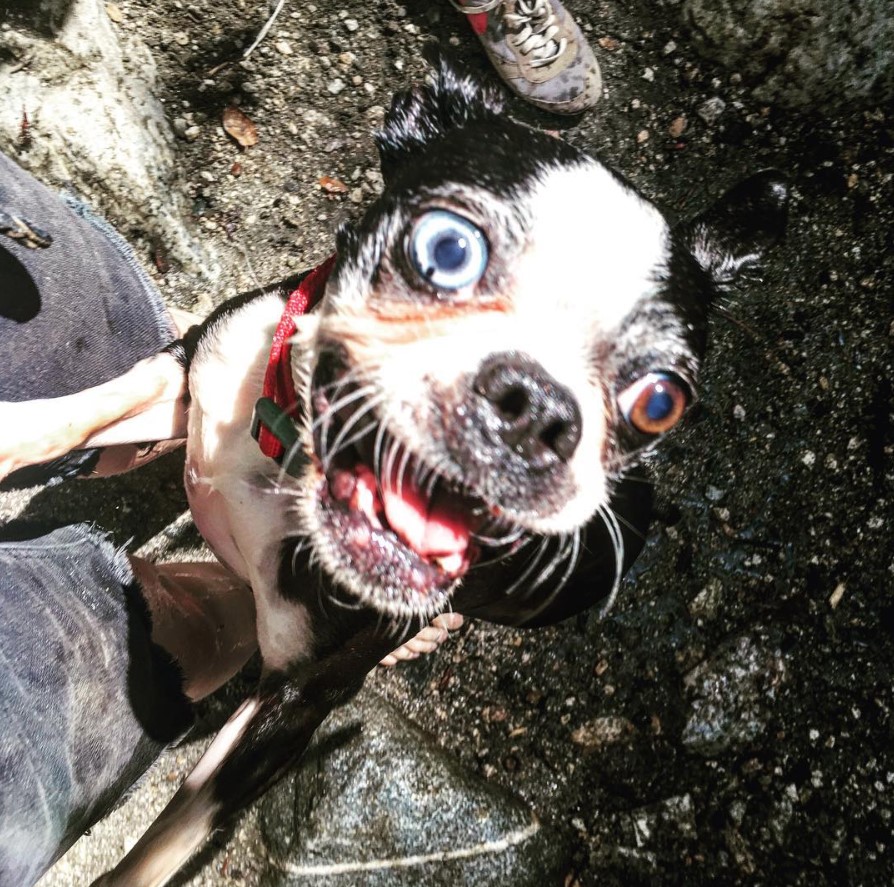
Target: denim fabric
<point>86,700</point>
<point>75,313</point>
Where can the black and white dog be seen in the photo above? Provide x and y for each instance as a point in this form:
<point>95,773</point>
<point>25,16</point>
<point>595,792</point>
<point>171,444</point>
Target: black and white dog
<point>498,341</point>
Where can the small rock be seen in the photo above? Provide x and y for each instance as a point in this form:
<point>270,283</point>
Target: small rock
<point>422,803</point>
<point>181,38</point>
<point>677,127</point>
<point>336,86</point>
<point>599,732</point>
<point>649,74</point>
<point>283,47</point>
<point>351,24</point>
<point>733,695</point>
<point>642,136</point>
<point>711,110</point>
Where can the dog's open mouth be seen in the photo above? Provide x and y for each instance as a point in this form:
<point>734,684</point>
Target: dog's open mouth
<point>404,528</point>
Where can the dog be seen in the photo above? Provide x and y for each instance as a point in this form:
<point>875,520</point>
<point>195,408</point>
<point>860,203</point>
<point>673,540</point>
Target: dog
<point>494,348</point>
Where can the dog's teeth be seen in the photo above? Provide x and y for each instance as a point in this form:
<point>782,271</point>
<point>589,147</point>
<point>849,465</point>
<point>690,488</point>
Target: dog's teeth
<point>365,498</point>
<point>452,563</point>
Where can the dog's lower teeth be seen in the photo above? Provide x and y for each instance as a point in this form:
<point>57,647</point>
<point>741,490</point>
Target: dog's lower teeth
<point>451,564</point>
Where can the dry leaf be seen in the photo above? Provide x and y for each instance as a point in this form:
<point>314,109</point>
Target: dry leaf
<point>333,186</point>
<point>237,124</point>
<point>610,44</point>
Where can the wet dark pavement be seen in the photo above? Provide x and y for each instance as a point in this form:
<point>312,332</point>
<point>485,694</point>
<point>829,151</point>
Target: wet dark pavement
<point>730,721</point>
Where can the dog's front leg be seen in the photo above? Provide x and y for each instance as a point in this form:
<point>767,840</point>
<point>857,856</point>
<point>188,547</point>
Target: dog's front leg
<point>257,745</point>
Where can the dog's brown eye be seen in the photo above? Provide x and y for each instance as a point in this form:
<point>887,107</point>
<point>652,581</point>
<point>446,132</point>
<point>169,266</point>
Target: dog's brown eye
<point>654,403</point>
<point>447,250</point>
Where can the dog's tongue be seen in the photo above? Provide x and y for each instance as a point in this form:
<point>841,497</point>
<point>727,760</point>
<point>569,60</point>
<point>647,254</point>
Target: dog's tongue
<point>434,528</point>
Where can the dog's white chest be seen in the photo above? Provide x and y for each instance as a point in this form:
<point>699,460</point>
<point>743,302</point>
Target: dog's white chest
<point>233,488</point>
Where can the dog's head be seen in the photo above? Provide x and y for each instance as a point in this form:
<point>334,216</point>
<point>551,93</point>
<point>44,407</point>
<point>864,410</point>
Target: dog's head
<point>507,328</point>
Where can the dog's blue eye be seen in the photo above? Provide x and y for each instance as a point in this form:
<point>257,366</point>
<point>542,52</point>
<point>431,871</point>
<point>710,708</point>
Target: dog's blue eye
<point>654,403</point>
<point>447,250</point>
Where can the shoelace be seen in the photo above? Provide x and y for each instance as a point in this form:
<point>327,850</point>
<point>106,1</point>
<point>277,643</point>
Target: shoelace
<point>537,36</point>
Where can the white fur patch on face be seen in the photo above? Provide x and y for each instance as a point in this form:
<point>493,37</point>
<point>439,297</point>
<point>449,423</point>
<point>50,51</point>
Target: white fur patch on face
<point>586,251</point>
<point>595,247</point>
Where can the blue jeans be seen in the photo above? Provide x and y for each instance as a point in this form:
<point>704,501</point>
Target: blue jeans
<point>87,701</point>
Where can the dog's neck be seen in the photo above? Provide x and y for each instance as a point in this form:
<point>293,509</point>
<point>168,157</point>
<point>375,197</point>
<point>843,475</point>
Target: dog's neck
<point>271,423</point>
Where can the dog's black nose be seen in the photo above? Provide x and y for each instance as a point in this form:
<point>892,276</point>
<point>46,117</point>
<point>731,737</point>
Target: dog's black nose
<point>528,410</point>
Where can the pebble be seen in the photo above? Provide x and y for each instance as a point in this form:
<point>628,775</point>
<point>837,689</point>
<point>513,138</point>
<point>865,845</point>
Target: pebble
<point>351,24</point>
<point>711,110</point>
<point>677,127</point>
<point>283,47</point>
<point>336,86</point>
<point>181,38</point>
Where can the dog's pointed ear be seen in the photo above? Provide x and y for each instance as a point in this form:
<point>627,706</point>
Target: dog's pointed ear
<point>735,233</point>
<point>451,98</point>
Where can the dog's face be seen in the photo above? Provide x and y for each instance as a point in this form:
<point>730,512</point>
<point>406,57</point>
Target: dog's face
<point>510,325</point>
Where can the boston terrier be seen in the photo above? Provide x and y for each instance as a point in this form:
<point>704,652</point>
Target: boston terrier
<point>448,415</point>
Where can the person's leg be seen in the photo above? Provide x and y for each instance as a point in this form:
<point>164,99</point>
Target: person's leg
<point>539,50</point>
<point>76,309</point>
<point>87,701</point>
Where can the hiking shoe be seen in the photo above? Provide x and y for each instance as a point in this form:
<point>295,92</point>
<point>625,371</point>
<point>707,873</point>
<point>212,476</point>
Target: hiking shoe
<point>539,50</point>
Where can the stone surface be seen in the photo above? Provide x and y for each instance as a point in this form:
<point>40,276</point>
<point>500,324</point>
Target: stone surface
<point>377,802</point>
<point>733,694</point>
<point>94,122</point>
<point>816,55</point>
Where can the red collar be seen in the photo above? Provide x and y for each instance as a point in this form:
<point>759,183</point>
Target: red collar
<point>271,424</point>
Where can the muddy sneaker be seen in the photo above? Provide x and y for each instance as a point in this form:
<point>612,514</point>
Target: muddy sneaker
<point>538,49</point>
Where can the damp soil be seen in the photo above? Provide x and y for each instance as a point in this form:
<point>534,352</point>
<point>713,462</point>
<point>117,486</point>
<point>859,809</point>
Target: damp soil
<point>730,720</point>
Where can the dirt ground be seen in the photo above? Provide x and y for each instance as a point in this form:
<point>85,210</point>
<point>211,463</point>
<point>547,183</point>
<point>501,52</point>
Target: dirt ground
<point>730,721</point>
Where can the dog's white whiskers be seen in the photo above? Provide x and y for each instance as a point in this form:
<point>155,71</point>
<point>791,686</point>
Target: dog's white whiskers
<point>340,442</point>
<point>432,480</point>
<point>498,541</point>
<point>378,444</point>
<point>532,565</point>
<point>358,435</point>
<point>617,540</point>
<point>386,479</point>
<point>402,468</point>
<point>552,565</point>
<point>341,403</point>
<point>571,548</point>
<point>622,520</point>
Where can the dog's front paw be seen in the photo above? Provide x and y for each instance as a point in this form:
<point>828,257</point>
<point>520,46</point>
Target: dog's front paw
<point>427,641</point>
